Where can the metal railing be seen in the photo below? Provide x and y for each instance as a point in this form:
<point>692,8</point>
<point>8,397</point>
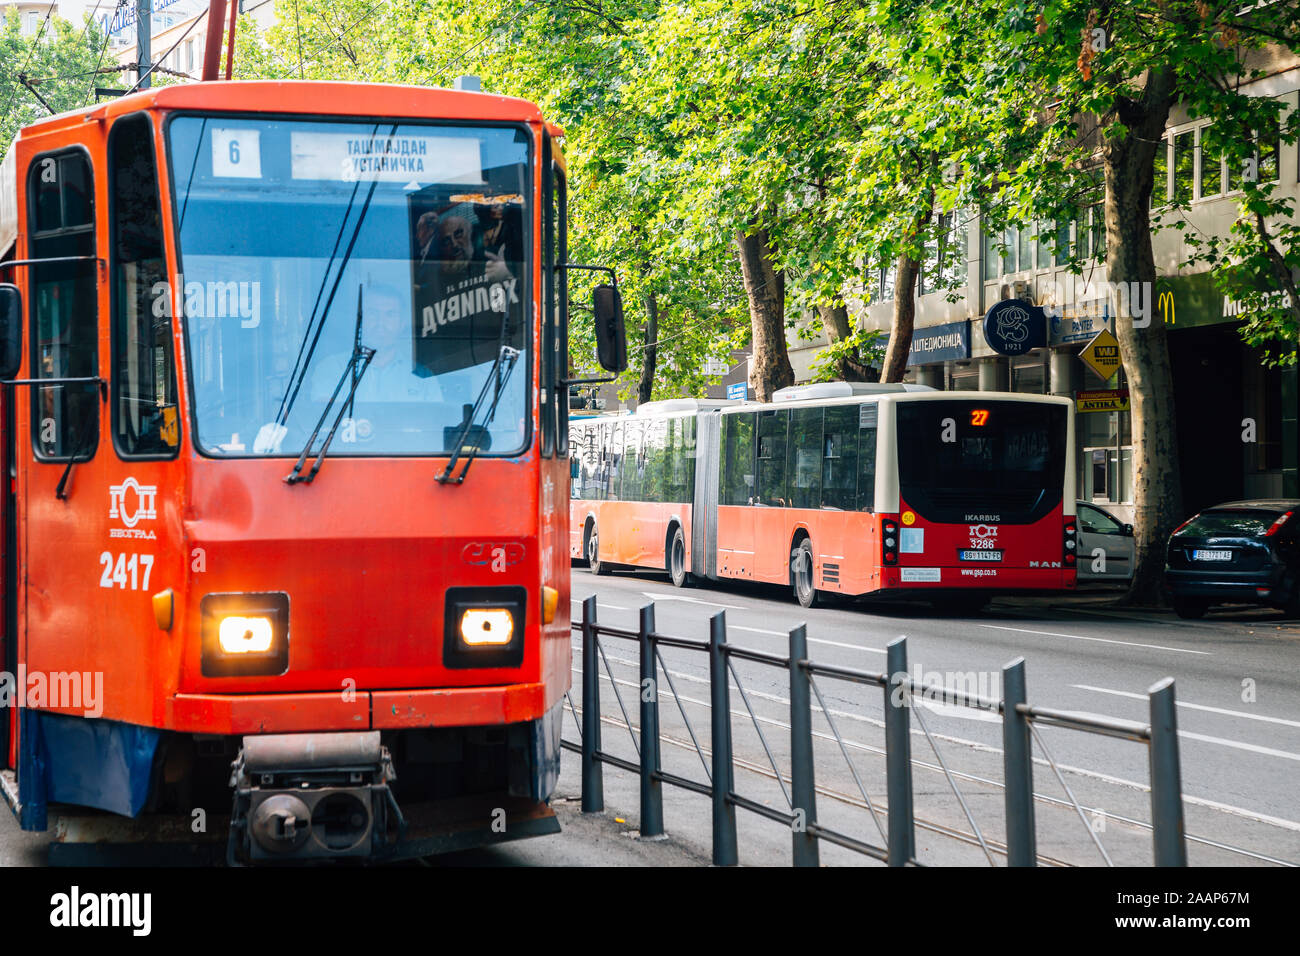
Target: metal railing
<point>1020,722</point>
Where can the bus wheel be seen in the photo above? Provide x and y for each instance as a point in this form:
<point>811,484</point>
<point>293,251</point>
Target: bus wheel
<point>677,559</point>
<point>593,553</point>
<point>801,574</point>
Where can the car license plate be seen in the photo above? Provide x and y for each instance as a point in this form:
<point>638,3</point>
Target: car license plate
<point>1199,555</point>
<point>979,555</point>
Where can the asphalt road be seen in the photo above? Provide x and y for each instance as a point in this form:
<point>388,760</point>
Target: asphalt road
<point>1237,686</point>
<point>1239,722</point>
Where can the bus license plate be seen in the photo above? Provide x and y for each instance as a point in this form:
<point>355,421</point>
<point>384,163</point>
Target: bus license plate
<point>1211,555</point>
<point>985,555</point>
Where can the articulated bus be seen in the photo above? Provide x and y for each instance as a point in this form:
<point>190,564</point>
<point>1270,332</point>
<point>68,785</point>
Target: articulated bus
<point>284,431</point>
<point>835,489</point>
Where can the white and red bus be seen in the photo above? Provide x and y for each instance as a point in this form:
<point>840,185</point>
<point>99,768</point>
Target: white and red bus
<point>836,488</point>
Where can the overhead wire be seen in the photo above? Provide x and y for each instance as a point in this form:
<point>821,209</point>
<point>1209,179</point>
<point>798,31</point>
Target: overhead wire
<point>30,52</point>
<point>155,68</point>
<point>103,47</point>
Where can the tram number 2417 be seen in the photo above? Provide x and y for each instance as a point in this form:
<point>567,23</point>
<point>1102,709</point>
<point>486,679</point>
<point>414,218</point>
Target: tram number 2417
<point>128,571</point>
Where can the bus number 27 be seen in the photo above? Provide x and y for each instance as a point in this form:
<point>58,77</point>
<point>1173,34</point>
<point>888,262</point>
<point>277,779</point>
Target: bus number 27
<point>126,567</point>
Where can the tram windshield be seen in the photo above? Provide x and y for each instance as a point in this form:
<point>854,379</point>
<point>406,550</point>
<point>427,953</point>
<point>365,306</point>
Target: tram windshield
<point>303,241</point>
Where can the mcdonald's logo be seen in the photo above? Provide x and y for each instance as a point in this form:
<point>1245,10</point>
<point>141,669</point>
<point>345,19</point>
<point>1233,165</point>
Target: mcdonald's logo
<point>1165,303</point>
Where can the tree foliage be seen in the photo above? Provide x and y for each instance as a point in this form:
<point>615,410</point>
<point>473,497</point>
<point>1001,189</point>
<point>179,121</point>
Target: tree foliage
<point>59,61</point>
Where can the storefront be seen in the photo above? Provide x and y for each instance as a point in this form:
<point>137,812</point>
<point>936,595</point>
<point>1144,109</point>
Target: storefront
<point>935,347</point>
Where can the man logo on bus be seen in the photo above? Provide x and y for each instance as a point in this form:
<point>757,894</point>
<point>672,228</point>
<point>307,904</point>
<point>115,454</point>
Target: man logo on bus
<point>144,507</point>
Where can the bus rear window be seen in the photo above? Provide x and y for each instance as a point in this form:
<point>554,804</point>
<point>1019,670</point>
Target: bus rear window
<point>970,460</point>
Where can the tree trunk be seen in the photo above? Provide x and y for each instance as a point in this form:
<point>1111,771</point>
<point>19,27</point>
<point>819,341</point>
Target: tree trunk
<point>906,269</point>
<point>651,349</point>
<point>835,323</point>
<point>1130,264</point>
<point>765,287</point>
<point>900,331</point>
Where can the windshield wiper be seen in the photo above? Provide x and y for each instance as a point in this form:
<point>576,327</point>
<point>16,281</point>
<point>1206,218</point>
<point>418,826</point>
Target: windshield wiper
<point>360,354</point>
<point>508,356</point>
<point>300,366</point>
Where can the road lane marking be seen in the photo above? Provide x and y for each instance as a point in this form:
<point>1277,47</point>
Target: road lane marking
<point>811,640</point>
<point>690,600</point>
<point>1100,640</point>
<point>1237,745</point>
<point>612,607</point>
<point>1183,703</point>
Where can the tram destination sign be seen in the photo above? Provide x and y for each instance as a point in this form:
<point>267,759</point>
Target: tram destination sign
<point>403,158</point>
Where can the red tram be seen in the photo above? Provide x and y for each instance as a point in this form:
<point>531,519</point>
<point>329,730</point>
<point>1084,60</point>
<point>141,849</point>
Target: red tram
<point>285,424</point>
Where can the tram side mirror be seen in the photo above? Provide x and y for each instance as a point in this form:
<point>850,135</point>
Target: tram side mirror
<point>11,330</point>
<point>611,338</point>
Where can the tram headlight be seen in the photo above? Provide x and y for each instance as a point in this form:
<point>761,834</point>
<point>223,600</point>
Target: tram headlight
<point>480,627</point>
<point>244,635</point>
<point>484,627</point>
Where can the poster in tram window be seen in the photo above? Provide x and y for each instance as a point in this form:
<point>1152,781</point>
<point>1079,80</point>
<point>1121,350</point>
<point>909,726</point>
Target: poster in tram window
<point>467,256</point>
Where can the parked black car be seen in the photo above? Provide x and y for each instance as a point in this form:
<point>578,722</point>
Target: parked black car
<point>1241,552</point>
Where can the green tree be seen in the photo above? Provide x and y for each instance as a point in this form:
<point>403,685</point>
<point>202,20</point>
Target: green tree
<point>1094,83</point>
<point>59,62</point>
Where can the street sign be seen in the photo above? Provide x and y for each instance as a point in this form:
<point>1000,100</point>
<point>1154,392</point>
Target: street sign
<point>738,390</point>
<point>1108,400</point>
<point>715,367</point>
<point>1102,354</point>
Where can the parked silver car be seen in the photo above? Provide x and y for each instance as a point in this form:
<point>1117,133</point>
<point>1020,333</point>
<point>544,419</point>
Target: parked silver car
<point>1105,545</point>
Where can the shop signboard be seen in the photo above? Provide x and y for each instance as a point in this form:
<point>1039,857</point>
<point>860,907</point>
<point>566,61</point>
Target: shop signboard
<point>940,343</point>
<point>1014,327</point>
<point>1102,400</point>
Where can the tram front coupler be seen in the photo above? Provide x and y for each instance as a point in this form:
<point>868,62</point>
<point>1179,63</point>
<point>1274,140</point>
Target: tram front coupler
<point>312,796</point>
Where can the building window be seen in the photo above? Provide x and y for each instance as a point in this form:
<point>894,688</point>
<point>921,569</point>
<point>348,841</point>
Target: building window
<point>1264,162</point>
<point>1062,242</point>
<point>1209,164</point>
<point>1160,177</point>
<point>945,261</point>
<point>1010,242</point>
<point>1184,166</point>
<point>964,378</point>
<point>991,256</point>
<point>1043,231</point>
<point>1029,373</point>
